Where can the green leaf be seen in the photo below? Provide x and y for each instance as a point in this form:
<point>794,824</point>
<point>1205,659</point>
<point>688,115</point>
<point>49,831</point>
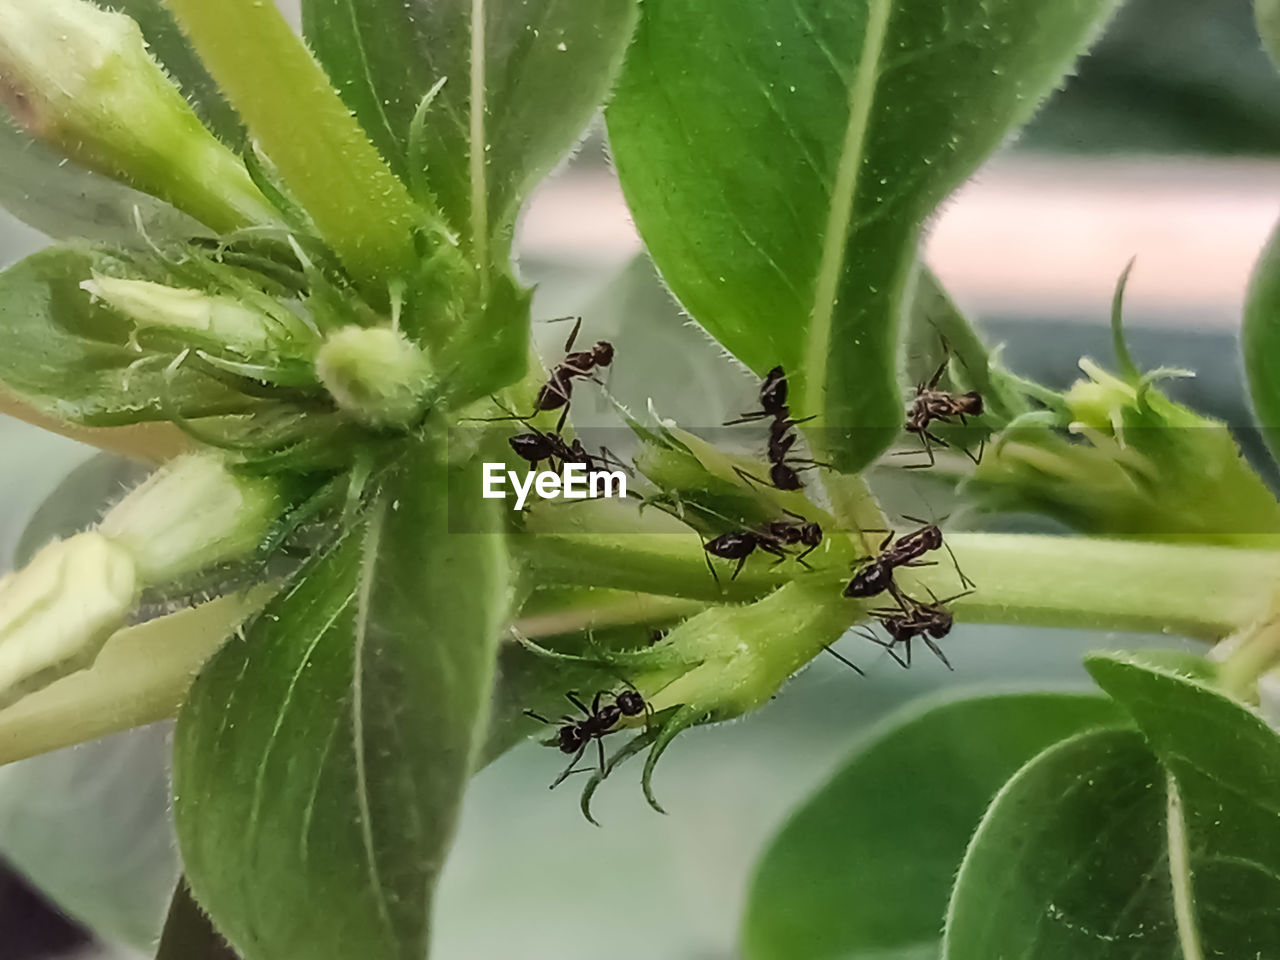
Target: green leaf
<point>72,359</point>
<point>188,933</point>
<point>1260,341</point>
<point>1225,763</point>
<point>866,865</point>
<point>321,759</point>
<point>1268,16</point>
<point>781,158</point>
<point>545,66</point>
<point>937,331</point>
<point>1071,861</point>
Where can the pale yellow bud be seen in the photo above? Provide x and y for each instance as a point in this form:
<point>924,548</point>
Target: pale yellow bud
<point>190,515</point>
<point>58,611</point>
<point>376,375</point>
<point>219,322</point>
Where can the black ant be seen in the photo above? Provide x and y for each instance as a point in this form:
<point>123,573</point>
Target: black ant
<point>600,719</point>
<point>772,538</point>
<point>928,621</point>
<point>783,472</point>
<point>773,399</point>
<point>535,446</point>
<point>931,404</point>
<point>876,576</point>
<point>793,532</point>
<point>558,390</point>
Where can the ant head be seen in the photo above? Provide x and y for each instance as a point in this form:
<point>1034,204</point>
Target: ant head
<point>630,703</point>
<point>773,391</point>
<point>941,623</point>
<point>971,403</point>
<point>784,477</point>
<point>602,353</point>
<point>811,534</point>
<point>571,738</point>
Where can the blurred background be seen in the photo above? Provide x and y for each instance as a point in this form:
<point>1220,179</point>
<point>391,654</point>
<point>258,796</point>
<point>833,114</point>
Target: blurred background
<point>1165,146</point>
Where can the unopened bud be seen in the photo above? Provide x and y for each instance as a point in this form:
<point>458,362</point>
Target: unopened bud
<point>191,515</point>
<point>220,323</point>
<point>58,611</point>
<point>80,78</point>
<point>376,375</point>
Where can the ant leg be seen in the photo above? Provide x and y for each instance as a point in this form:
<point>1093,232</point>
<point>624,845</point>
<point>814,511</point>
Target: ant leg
<point>977,459</point>
<point>889,646</point>
<point>746,418</point>
<point>564,417</point>
<point>600,752</point>
<point>846,661</point>
<point>937,374</point>
<point>595,704</point>
<point>937,652</point>
<point>539,718</point>
<point>750,478</point>
<point>572,697</point>
<point>568,344</point>
<point>800,559</point>
<point>738,569</point>
<point>925,437</point>
<point>568,771</point>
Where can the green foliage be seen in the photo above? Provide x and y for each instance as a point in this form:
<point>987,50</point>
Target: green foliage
<point>72,359</point>
<point>866,865</point>
<point>1170,836</point>
<point>1070,861</point>
<point>780,160</point>
<point>541,66</point>
<point>1268,15</point>
<point>321,759</point>
<point>1260,341</point>
<point>1224,762</point>
<point>361,306</point>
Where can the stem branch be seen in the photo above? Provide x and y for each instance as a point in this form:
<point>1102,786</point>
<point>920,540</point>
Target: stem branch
<point>363,212</point>
<point>1187,590</point>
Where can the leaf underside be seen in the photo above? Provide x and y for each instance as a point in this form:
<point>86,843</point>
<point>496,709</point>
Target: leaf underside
<point>780,159</point>
<point>321,759</point>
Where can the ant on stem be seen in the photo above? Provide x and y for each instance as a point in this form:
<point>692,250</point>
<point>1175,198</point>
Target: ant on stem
<point>928,621</point>
<point>599,720</point>
<point>931,405</point>
<point>775,536</point>
<point>876,575</point>
<point>784,469</point>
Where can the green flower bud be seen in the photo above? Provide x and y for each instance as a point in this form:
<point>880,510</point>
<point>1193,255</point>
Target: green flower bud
<point>58,611</point>
<point>190,515</point>
<point>376,375</point>
<point>218,323</point>
<point>1125,459</point>
<point>80,79</point>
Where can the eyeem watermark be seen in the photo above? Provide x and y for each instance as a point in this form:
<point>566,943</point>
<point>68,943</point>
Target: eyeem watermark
<point>574,483</point>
